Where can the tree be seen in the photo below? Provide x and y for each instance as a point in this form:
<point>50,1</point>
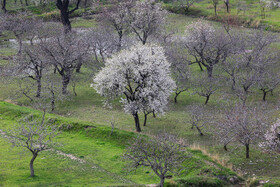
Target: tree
<point>198,117</point>
<point>34,135</point>
<point>65,53</point>
<point>244,124</point>
<point>186,4</point>
<point>63,6</point>
<point>162,154</point>
<point>102,41</point>
<point>227,5</point>
<point>179,66</point>
<point>117,16</point>
<point>207,45</point>
<point>4,6</point>
<point>145,18</point>
<point>205,86</point>
<point>215,3</point>
<point>142,75</point>
<point>31,64</point>
<point>271,141</point>
<point>19,24</point>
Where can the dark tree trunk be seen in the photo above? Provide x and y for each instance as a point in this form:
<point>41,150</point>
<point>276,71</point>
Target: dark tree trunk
<point>145,118</point>
<point>200,66</point>
<point>86,3</point>
<point>215,8</point>
<point>161,182</point>
<point>207,99</point>
<point>63,6</point>
<point>39,86</point>
<point>79,66</point>
<point>31,164</point>
<point>154,114</point>
<point>233,84</point>
<point>264,95</point>
<point>247,151</point>
<point>26,2</point>
<point>4,6</point>
<point>64,16</point>
<point>225,147</point>
<point>53,100</point>
<point>199,131</point>
<point>65,82</point>
<point>210,71</point>
<point>137,123</point>
<point>176,95</point>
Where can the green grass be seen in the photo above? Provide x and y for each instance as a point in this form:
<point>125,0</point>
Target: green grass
<point>99,149</point>
<point>102,152</point>
<point>251,17</point>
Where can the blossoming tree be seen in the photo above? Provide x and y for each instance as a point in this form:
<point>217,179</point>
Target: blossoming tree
<point>142,75</point>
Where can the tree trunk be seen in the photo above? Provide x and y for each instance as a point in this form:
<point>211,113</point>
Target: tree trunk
<point>19,43</point>
<point>233,84</point>
<point>154,114</point>
<point>199,131</point>
<point>210,71</point>
<point>145,118</point>
<point>39,86</point>
<point>247,150</point>
<point>64,15</point>
<point>31,164</point>
<point>161,182</point>
<point>65,82</point>
<point>264,95</point>
<point>137,123</point>
<point>225,147</point>
<point>4,6</point>
<point>79,65</point>
<point>200,66</point>
<point>207,99</point>
<point>175,98</point>
<point>26,2</point>
<point>215,8</point>
<point>53,100</point>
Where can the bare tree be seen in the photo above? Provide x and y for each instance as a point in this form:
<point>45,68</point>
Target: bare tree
<point>145,18</point>
<point>117,16</point>
<point>205,86</point>
<point>215,4</point>
<point>268,82</point>
<point>63,6</point>
<point>207,45</point>
<point>64,53</point>
<point>244,124</point>
<point>198,117</point>
<point>19,24</point>
<point>4,2</point>
<point>227,5</point>
<point>162,154</point>
<point>102,41</point>
<point>186,4</point>
<point>31,64</point>
<point>34,135</point>
<point>179,65</point>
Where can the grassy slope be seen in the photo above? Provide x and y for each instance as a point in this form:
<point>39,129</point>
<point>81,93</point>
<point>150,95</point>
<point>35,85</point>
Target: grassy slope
<point>252,15</point>
<point>101,152</point>
<point>88,106</point>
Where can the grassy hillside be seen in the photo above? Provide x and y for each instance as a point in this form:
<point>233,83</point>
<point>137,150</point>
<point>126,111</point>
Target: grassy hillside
<point>88,106</point>
<point>250,16</point>
<point>101,152</point>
